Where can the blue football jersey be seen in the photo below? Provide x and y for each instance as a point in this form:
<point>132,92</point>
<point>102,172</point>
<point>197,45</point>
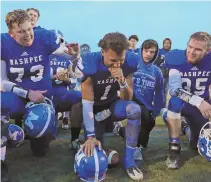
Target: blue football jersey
<point>58,63</point>
<point>162,53</point>
<point>29,67</point>
<point>106,87</point>
<point>135,51</point>
<point>195,78</point>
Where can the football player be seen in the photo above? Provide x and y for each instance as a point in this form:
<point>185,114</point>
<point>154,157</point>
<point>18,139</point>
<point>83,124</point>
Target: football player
<point>62,72</point>
<point>25,74</point>
<point>189,81</point>
<point>148,92</point>
<point>133,39</point>
<point>106,73</point>
<point>34,15</point>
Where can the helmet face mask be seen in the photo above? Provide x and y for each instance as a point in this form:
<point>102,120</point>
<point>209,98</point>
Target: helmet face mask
<point>204,142</point>
<point>91,168</point>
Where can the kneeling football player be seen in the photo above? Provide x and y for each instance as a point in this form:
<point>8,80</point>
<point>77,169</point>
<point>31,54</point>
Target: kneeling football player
<point>106,73</point>
<point>189,82</point>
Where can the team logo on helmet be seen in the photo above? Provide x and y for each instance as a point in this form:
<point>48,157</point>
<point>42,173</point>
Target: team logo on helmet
<point>204,142</point>
<point>91,168</point>
<point>39,119</point>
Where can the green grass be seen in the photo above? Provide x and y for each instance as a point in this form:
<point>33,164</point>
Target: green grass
<point>57,165</point>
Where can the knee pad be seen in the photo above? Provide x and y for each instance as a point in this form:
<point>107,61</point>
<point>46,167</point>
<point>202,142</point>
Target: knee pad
<point>174,108</point>
<point>175,104</point>
<point>133,111</point>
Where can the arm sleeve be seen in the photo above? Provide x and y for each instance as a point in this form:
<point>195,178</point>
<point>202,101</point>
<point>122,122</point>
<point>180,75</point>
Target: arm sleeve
<point>159,94</point>
<point>175,81</point>
<point>88,116</point>
<point>6,85</point>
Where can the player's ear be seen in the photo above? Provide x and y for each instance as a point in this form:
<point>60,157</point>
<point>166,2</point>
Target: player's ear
<point>208,50</point>
<point>11,33</point>
<point>102,52</point>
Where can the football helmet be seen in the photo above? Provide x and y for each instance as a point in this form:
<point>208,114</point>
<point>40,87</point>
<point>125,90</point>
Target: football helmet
<point>204,142</point>
<point>39,119</point>
<point>16,135</point>
<point>93,168</point>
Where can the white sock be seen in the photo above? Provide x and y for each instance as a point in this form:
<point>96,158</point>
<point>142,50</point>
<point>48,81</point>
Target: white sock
<point>66,114</point>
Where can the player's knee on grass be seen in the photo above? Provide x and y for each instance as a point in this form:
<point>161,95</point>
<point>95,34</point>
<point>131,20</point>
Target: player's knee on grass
<point>174,108</point>
<point>133,111</point>
<point>40,146</point>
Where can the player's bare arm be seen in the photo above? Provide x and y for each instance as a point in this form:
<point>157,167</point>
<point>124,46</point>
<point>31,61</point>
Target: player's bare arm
<point>88,116</point>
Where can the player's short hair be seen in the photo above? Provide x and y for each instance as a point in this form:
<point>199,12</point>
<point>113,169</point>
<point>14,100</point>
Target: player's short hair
<point>17,16</point>
<point>36,10</point>
<point>202,36</point>
<point>134,37</point>
<point>116,41</point>
<point>149,43</point>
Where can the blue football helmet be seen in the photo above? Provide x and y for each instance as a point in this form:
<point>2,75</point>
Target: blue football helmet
<point>59,35</point>
<point>16,135</point>
<point>91,169</point>
<point>39,119</point>
<point>204,142</point>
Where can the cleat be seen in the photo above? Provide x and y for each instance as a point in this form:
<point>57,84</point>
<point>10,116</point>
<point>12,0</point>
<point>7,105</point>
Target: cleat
<point>130,166</point>
<point>173,160</point>
<point>65,124</point>
<point>135,173</point>
<point>75,145</point>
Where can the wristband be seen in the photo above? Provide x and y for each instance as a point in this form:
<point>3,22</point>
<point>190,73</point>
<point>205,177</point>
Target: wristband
<point>123,85</point>
<point>90,134</point>
<point>20,91</point>
<point>194,100</point>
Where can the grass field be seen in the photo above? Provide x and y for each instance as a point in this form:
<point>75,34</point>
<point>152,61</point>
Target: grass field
<point>57,165</point>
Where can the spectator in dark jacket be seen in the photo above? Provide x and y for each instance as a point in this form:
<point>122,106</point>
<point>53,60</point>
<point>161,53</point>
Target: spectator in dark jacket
<point>160,60</point>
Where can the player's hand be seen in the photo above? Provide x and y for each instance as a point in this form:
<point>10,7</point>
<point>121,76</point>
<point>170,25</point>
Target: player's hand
<point>117,73</point>
<point>88,146</point>
<point>62,75</point>
<point>205,109</point>
<point>36,96</point>
<point>73,49</point>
